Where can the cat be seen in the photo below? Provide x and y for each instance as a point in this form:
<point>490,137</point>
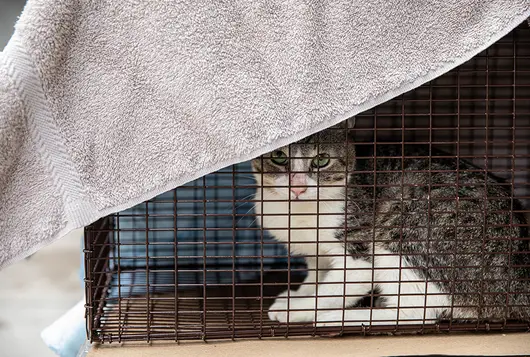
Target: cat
<point>415,241</point>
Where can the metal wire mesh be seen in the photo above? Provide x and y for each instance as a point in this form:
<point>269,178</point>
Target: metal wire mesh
<point>208,259</point>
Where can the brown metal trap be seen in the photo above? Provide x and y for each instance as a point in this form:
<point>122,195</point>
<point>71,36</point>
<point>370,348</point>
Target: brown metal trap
<point>194,263</point>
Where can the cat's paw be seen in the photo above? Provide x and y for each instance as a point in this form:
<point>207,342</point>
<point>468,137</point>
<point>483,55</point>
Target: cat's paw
<point>331,324</point>
<point>278,311</point>
<point>292,316</point>
<point>361,317</point>
<point>334,319</point>
<point>279,308</point>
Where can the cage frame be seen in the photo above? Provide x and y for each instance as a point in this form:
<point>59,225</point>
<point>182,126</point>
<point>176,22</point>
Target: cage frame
<point>100,238</point>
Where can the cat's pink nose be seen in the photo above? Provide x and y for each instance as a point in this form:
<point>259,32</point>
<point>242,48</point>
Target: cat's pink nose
<point>298,181</point>
<point>298,190</point>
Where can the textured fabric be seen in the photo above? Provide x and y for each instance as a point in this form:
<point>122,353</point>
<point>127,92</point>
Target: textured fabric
<point>112,103</point>
<point>27,189</point>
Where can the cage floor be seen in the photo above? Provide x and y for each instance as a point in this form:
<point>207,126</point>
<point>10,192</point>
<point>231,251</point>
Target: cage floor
<point>236,313</point>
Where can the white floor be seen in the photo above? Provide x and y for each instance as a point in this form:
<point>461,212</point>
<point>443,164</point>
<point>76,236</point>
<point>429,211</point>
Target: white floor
<point>35,292</point>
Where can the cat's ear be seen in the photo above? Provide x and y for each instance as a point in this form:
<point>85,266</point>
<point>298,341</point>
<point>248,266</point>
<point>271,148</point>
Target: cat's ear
<point>351,123</point>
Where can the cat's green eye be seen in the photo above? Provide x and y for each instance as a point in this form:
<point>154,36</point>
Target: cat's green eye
<point>279,158</point>
<point>320,161</point>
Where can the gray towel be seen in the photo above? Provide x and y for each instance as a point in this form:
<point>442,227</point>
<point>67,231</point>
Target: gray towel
<point>104,104</point>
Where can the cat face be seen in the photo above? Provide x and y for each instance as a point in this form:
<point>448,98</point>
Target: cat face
<point>317,167</point>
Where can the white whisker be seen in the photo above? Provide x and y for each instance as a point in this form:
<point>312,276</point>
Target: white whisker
<point>245,214</point>
<point>251,223</point>
<point>245,198</point>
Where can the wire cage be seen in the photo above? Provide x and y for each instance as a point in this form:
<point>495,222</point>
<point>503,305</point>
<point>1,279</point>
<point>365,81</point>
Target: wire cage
<point>415,213</point>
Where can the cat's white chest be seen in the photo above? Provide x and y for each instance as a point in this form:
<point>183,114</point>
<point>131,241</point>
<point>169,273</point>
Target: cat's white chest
<point>301,224</point>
